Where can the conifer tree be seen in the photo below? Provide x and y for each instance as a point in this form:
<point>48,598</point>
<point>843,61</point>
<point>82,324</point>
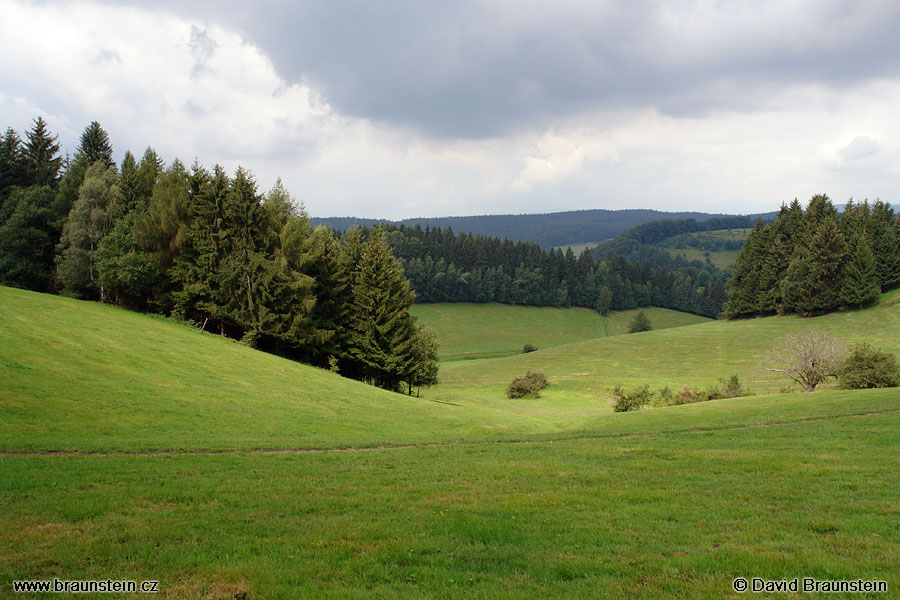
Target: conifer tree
<point>379,336</point>
<point>859,285</point>
<point>10,162</point>
<point>743,287</point>
<point>820,264</point>
<point>329,314</point>
<point>28,239</point>
<point>94,145</point>
<point>885,236</point>
<point>40,155</point>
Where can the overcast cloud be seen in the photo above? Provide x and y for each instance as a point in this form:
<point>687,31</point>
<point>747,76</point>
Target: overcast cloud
<point>409,108</point>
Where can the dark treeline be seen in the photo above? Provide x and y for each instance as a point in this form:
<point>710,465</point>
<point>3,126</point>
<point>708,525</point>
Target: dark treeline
<point>209,248</point>
<point>644,242</point>
<point>547,230</point>
<point>814,261</point>
<point>444,266</point>
<point>708,241</point>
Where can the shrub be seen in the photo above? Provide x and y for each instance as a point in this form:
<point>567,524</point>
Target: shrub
<point>686,395</point>
<point>731,387</point>
<point>640,323</point>
<point>664,397</point>
<point>251,338</point>
<point>868,367</point>
<point>529,384</point>
<point>528,348</point>
<point>627,401</point>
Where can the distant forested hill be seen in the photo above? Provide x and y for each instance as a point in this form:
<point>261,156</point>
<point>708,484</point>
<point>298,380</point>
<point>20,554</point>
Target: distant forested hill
<point>648,242</point>
<point>547,230</point>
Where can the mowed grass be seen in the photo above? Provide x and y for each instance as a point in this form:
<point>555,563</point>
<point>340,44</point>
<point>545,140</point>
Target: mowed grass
<point>720,258</point>
<point>479,497</point>
<point>83,376</point>
<point>696,355</point>
<point>654,516</point>
<point>474,331</point>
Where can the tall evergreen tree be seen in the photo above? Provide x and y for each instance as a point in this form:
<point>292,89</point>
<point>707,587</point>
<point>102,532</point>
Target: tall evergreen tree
<point>28,239</point>
<point>885,235</point>
<point>94,145</point>
<point>379,337</point>
<point>41,162</point>
<point>10,162</point>
<point>859,285</point>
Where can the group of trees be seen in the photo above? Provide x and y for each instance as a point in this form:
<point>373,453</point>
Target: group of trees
<point>208,248</point>
<point>811,357</point>
<point>813,261</point>
<point>447,267</point>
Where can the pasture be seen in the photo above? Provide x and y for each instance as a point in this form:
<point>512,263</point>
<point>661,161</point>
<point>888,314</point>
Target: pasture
<point>134,447</point>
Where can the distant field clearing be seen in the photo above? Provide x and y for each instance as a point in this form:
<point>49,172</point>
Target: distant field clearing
<point>474,331</point>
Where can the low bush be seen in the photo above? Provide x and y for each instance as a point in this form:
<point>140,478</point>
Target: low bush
<point>633,400</point>
<point>640,323</point>
<point>528,348</point>
<point>529,384</point>
<point>664,397</point>
<point>867,367</point>
<point>728,388</point>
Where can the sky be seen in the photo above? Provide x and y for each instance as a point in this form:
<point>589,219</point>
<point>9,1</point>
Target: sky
<point>413,108</point>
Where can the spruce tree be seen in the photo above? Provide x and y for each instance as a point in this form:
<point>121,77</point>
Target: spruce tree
<point>28,239</point>
<point>379,337</point>
<point>859,285</point>
<point>885,235</point>
<point>824,257</point>
<point>94,145</point>
<point>10,162</point>
<point>743,287</point>
<point>40,155</point>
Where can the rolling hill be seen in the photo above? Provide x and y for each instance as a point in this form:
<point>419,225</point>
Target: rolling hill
<point>473,331</point>
<point>547,230</point>
<point>133,447</point>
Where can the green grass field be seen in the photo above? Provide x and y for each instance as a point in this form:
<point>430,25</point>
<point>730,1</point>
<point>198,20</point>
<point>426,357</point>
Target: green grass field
<point>697,355</point>
<point>720,258</point>
<point>473,331</point>
<point>134,447</point>
<point>579,247</point>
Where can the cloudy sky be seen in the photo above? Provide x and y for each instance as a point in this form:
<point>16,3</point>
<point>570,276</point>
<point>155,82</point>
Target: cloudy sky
<point>413,108</point>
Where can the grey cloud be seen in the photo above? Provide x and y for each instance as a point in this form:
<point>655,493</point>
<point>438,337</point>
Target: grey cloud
<point>202,46</point>
<point>861,147</point>
<point>479,69</point>
<point>107,55</point>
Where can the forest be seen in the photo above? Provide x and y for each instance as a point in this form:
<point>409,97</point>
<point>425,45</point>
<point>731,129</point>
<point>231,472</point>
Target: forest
<point>817,260</point>
<point>207,248</point>
<point>547,230</point>
<point>444,266</point>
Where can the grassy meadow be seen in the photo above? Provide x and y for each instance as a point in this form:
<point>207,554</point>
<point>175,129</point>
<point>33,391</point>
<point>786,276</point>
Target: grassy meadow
<point>474,331</point>
<point>134,447</point>
<point>720,258</point>
<point>696,355</point>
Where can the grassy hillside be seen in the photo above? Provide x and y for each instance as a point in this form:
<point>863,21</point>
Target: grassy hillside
<point>720,258</point>
<point>479,497</point>
<point>468,331</point>
<point>694,355</point>
<point>79,375</point>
